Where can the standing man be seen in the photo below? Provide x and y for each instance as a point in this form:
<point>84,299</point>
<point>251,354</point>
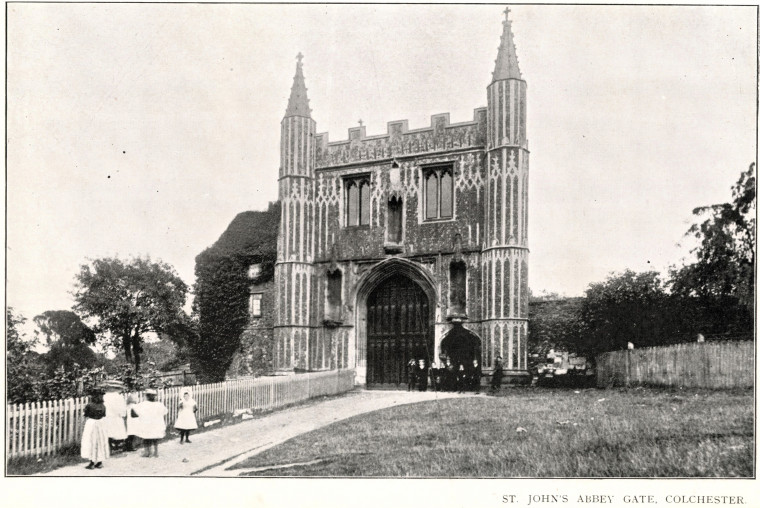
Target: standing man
<point>498,373</point>
<point>422,375</point>
<point>411,374</point>
<point>475,375</point>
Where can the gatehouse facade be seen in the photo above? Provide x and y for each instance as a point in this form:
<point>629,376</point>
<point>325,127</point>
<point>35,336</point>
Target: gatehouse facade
<point>387,243</point>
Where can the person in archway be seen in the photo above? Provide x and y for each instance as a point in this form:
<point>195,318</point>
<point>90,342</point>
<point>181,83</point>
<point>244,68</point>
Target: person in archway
<point>461,378</point>
<point>474,376</point>
<point>449,376</point>
<point>411,374</point>
<point>498,373</point>
<point>422,375</point>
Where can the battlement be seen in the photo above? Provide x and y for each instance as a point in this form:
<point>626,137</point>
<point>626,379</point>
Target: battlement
<point>399,141</point>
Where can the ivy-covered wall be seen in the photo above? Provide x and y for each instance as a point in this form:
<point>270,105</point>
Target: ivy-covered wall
<point>222,291</point>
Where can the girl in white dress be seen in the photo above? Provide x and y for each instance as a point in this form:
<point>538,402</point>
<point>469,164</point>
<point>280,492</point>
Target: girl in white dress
<point>94,445</point>
<point>152,426</point>
<point>116,410</point>
<point>186,416</point>
<point>133,424</point>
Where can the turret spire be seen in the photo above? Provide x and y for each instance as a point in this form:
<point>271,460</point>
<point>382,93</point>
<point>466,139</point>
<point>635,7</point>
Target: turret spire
<point>507,66</point>
<point>298,104</point>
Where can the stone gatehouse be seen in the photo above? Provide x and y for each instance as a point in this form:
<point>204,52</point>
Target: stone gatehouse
<point>388,242</point>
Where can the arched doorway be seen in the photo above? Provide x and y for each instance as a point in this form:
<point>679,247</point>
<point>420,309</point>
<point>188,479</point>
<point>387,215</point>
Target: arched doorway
<point>398,329</point>
<point>461,346</point>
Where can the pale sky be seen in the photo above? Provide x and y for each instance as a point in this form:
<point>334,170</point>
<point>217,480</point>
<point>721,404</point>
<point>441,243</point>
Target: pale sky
<point>144,129</point>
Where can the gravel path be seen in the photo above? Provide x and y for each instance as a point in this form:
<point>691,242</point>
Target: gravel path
<point>213,451</point>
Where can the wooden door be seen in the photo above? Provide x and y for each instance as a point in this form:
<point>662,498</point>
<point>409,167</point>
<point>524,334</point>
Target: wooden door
<point>398,329</point>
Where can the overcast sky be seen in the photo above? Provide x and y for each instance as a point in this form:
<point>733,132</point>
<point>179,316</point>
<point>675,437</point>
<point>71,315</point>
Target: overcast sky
<point>144,129</point>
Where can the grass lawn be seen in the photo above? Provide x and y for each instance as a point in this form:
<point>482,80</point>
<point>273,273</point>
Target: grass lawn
<point>529,432</point>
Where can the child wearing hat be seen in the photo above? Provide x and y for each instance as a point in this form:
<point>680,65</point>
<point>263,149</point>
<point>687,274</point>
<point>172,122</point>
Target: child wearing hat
<point>152,427</point>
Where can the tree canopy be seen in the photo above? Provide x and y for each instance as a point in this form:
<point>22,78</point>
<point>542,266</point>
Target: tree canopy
<point>723,275</point>
<point>68,339</point>
<point>22,365</point>
<point>128,299</point>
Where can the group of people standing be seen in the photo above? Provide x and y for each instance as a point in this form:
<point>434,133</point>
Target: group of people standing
<point>449,377</point>
<point>113,423</point>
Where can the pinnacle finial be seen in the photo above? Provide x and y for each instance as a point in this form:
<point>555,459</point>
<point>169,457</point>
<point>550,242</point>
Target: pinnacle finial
<point>298,104</point>
<point>507,66</point>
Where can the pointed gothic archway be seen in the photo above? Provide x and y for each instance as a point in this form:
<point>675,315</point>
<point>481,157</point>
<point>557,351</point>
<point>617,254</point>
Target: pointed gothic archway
<point>398,330</point>
<point>396,304</point>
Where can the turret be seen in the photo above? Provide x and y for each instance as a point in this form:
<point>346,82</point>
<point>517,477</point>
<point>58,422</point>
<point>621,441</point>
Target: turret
<point>505,249</point>
<point>294,271</point>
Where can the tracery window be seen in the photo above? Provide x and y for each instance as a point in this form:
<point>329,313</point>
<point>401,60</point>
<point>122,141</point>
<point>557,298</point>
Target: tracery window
<point>439,192</point>
<point>357,200</point>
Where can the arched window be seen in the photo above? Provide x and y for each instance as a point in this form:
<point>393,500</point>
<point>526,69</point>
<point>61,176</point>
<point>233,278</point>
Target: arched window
<point>431,196</point>
<point>357,200</point>
<point>439,192</point>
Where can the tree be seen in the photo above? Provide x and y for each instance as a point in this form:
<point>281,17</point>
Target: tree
<point>555,323</point>
<point>128,300</point>
<point>22,367</point>
<point>722,279</point>
<point>632,307</point>
<point>726,249</point>
<point>68,339</point>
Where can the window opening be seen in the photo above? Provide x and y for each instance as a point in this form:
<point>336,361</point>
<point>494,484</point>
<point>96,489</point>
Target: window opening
<point>439,193</point>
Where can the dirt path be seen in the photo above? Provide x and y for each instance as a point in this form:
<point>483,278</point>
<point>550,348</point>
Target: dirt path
<point>211,452</point>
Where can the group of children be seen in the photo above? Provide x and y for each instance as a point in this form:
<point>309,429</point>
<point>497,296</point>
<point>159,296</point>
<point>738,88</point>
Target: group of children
<point>445,376</point>
<point>115,423</point>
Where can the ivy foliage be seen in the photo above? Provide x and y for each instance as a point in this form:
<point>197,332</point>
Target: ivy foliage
<point>220,307</point>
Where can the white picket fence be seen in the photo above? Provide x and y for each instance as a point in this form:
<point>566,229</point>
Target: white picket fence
<point>43,428</point>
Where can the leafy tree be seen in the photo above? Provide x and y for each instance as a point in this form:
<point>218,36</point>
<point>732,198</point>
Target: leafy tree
<point>555,323</point>
<point>726,249</point>
<point>22,366</point>
<point>632,307</point>
<point>68,338</point>
<point>721,281</point>
<point>128,300</point>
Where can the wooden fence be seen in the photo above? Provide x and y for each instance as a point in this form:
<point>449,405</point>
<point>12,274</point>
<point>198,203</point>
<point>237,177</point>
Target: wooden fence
<point>692,365</point>
<point>43,428</point>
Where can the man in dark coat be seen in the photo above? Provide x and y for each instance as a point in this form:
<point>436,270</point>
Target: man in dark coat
<point>422,375</point>
<point>475,375</point>
<point>498,373</point>
<point>411,374</point>
<point>449,376</point>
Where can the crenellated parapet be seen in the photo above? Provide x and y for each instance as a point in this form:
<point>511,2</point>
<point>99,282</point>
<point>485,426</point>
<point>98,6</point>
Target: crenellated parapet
<point>399,141</point>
